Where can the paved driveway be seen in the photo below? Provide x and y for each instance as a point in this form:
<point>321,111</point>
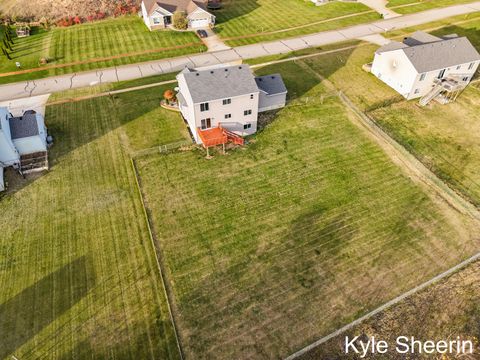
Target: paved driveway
<point>213,41</point>
<point>380,6</point>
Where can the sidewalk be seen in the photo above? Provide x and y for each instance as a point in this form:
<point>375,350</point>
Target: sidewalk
<point>135,71</point>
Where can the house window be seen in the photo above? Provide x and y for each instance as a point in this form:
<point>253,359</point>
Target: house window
<point>204,107</point>
<point>470,67</point>
<point>156,21</point>
<point>247,126</point>
<point>206,123</point>
<point>417,91</point>
<point>247,112</point>
<point>466,78</point>
<point>227,101</point>
<point>422,77</point>
<point>251,96</point>
<point>228,116</point>
<point>441,74</point>
<point>458,67</point>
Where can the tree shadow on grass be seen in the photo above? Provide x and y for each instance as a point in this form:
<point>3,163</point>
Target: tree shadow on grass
<point>30,311</point>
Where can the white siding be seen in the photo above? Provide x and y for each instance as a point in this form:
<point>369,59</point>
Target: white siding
<point>2,183</point>
<point>395,69</point>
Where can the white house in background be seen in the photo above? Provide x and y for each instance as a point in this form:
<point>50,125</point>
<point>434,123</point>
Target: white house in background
<point>227,97</point>
<point>158,14</point>
<point>23,142</point>
<point>426,66</point>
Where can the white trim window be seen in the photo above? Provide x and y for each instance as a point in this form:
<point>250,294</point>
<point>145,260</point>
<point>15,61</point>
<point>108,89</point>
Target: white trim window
<point>470,67</point>
<point>205,123</point>
<point>247,126</point>
<point>247,112</point>
<point>157,21</point>
<point>227,101</point>
<point>228,116</point>
<point>204,107</point>
<point>422,77</point>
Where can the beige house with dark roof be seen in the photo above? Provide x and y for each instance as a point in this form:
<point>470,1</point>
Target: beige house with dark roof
<point>158,14</point>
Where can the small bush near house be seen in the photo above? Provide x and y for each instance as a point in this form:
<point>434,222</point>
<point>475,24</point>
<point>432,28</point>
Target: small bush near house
<point>180,20</point>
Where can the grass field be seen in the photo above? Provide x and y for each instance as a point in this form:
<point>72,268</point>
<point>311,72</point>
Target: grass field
<point>238,20</point>
<point>305,229</point>
<point>78,274</point>
<point>422,5</point>
<point>445,138</point>
<point>451,309</point>
<point>98,40</point>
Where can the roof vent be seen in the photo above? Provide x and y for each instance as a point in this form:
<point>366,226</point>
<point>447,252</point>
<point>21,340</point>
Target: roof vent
<point>273,77</point>
<point>197,74</point>
<point>240,68</point>
<point>211,72</point>
<point>226,69</point>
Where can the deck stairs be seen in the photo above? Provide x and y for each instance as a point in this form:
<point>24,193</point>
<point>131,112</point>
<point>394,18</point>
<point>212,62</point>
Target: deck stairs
<point>234,138</point>
<point>443,87</point>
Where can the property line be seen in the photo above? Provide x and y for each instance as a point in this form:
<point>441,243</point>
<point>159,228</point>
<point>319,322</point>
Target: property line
<point>166,290</point>
<point>385,306</point>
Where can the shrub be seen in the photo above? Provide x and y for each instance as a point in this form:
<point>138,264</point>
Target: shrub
<point>180,20</point>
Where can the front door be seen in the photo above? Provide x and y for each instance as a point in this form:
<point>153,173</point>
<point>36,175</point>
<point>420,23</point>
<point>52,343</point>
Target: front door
<point>168,20</point>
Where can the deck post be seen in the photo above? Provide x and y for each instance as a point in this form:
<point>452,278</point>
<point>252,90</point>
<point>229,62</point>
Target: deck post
<point>223,145</point>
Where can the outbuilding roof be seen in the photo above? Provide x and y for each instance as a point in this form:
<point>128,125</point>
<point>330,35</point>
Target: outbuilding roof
<point>271,84</point>
<point>220,83</point>
<point>25,126</point>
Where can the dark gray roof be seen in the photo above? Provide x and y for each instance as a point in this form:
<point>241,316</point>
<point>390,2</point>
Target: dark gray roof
<point>441,54</point>
<point>271,84</point>
<point>25,126</point>
<point>419,38</point>
<point>221,83</point>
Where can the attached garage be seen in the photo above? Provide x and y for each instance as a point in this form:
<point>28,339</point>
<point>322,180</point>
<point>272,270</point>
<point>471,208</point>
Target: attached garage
<point>199,23</point>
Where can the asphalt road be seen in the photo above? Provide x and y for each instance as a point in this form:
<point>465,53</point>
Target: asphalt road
<point>134,71</point>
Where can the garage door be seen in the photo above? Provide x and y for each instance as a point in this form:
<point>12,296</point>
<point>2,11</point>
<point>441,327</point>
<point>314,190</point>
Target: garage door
<point>199,23</point>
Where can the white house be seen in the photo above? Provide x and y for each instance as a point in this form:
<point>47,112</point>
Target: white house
<point>158,14</point>
<point>426,66</point>
<point>23,142</point>
<point>227,97</point>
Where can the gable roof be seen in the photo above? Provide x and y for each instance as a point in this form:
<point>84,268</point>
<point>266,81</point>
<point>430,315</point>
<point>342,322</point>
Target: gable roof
<point>428,53</point>
<point>221,83</point>
<point>188,6</point>
<point>271,84</point>
<point>441,54</point>
<point>25,126</point>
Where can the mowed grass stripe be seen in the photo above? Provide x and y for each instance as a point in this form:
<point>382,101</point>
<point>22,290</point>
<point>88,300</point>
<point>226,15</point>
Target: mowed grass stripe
<point>305,229</point>
<point>92,212</point>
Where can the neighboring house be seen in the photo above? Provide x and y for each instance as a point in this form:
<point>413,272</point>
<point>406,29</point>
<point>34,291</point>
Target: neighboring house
<point>227,97</point>
<point>426,66</point>
<point>23,142</point>
<point>158,14</point>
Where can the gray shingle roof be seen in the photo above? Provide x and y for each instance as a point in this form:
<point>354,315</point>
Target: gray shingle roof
<point>271,84</point>
<point>441,54</point>
<point>394,45</point>
<point>420,37</point>
<point>221,83</point>
<point>25,126</point>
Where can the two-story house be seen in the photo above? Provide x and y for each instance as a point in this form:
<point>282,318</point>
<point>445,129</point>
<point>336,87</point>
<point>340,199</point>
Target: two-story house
<point>426,65</point>
<point>227,97</point>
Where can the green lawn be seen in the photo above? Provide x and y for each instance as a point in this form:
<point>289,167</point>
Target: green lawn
<point>78,273</point>
<point>422,5</point>
<point>303,230</point>
<point>445,138</point>
<point>108,38</point>
<point>246,17</point>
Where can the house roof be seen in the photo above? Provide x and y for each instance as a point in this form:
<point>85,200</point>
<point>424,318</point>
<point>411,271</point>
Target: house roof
<point>220,83</point>
<point>428,53</point>
<point>419,38</point>
<point>271,84</point>
<point>441,54</point>
<point>25,126</point>
<point>171,6</point>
